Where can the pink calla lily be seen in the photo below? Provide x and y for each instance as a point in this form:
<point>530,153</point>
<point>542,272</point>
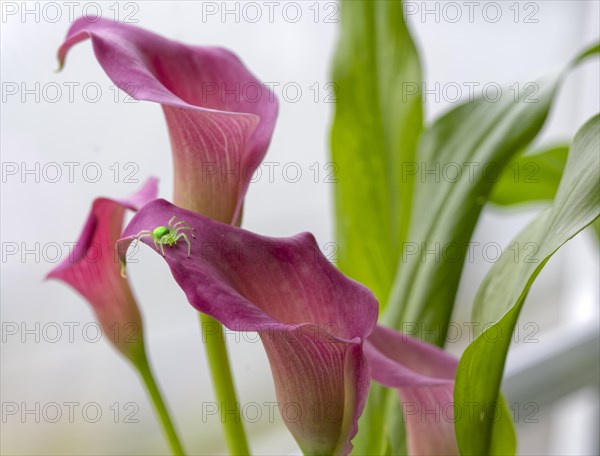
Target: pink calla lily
<point>318,326</point>
<point>311,318</point>
<point>94,271</point>
<point>220,117</point>
<point>424,377</point>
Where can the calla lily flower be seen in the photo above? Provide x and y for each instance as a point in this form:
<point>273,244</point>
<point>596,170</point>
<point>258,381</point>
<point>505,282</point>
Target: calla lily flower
<point>316,324</point>
<point>424,377</point>
<point>93,269</point>
<point>287,291</point>
<point>220,117</point>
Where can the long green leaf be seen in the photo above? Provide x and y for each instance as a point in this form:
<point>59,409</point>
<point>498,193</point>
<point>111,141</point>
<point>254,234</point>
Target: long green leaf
<point>480,137</point>
<point>473,136</point>
<point>378,121</point>
<point>531,177</point>
<point>503,292</point>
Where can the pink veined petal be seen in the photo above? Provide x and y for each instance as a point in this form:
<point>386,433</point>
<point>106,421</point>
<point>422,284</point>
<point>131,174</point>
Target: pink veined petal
<point>424,377</point>
<point>311,318</point>
<point>220,117</point>
<point>93,269</point>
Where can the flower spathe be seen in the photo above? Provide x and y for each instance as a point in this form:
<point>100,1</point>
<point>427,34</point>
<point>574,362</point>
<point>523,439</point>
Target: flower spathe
<point>93,269</point>
<point>311,318</point>
<point>424,377</point>
<point>220,117</point>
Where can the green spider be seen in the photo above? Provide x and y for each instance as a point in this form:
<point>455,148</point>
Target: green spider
<point>168,235</point>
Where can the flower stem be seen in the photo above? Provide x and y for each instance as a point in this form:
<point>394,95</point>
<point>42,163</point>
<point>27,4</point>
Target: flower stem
<point>160,407</point>
<point>218,361</point>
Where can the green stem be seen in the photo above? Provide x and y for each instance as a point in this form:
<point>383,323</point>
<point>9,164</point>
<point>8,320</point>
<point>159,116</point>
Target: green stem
<point>218,361</point>
<point>142,365</point>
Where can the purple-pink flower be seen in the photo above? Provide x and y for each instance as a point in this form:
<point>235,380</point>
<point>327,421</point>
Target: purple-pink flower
<point>220,117</point>
<point>312,319</point>
<point>93,269</point>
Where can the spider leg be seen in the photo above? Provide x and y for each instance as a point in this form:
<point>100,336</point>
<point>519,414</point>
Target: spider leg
<point>185,238</point>
<point>170,224</point>
<point>183,222</point>
<point>137,240</point>
<point>182,225</point>
<point>142,234</point>
<point>158,246</point>
<point>181,228</point>
<point>177,229</point>
<point>162,249</point>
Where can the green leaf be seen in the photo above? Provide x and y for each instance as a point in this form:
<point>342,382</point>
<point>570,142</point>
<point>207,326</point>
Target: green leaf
<point>531,177</point>
<point>373,429</point>
<point>503,291</point>
<point>596,229</point>
<point>378,120</point>
<point>477,139</point>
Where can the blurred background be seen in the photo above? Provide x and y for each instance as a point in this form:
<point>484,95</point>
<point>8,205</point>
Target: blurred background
<point>51,353</point>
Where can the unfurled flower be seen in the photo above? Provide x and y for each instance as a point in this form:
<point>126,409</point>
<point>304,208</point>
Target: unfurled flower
<point>93,269</point>
<point>311,318</point>
<point>220,117</point>
<point>314,322</point>
<point>424,377</point>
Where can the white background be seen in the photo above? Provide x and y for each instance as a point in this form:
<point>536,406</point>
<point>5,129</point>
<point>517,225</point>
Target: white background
<point>106,132</point>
